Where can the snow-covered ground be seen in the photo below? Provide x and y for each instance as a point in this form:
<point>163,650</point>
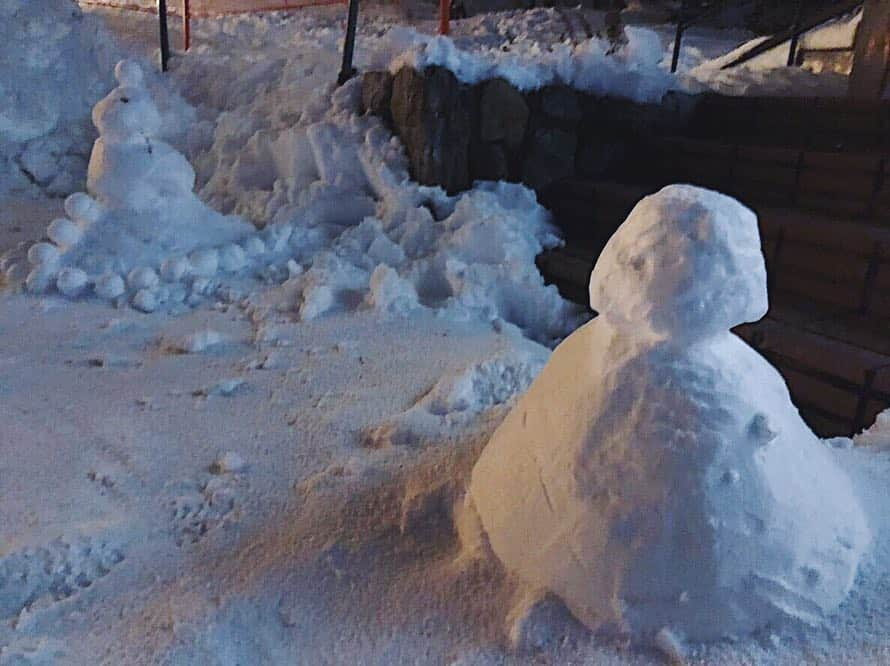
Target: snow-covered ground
<point>264,471</point>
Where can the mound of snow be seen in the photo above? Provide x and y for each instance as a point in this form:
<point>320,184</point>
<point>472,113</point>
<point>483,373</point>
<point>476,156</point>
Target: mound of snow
<point>54,65</point>
<point>471,256</point>
<point>656,475</point>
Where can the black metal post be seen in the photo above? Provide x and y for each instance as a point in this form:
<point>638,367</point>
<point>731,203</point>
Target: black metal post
<point>347,71</point>
<point>795,37</point>
<point>165,40</point>
<point>678,37</point>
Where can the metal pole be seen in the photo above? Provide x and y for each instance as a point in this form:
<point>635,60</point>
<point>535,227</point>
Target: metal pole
<point>165,40</point>
<point>678,37</point>
<point>347,71</point>
<point>444,16</point>
<point>795,37</point>
<point>186,25</point>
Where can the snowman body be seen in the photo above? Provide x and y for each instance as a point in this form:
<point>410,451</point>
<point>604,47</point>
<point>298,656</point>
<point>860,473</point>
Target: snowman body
<point>139,174</point>
<point>130,167</point>
<point>656,474</point>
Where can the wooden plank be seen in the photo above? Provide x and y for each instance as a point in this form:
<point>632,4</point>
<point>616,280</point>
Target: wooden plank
<point>871,57</point>
<point>825,262</point>
<point>816,289</point>
<point>811,350</point>
<point>845,183</point>
<point>771,154</point>
<point>862,162</point>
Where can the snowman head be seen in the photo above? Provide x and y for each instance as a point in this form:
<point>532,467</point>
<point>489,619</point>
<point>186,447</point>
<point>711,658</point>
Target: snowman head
<point>127,112</point>
<point>685,264</point>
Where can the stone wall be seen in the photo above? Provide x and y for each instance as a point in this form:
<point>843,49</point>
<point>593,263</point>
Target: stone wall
<point>455,133</point>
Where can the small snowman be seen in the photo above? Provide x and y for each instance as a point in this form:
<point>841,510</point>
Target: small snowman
<point>141,229</point>
<point>130,168</point>
<point>656,476</point>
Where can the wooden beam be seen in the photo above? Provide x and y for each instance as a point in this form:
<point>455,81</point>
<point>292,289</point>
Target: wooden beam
<point>872,51</point>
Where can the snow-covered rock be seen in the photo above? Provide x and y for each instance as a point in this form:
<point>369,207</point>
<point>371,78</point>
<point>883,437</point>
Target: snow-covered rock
<point>656,475</point>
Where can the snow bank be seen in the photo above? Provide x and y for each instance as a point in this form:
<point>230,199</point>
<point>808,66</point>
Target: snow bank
<point>595,64</point>
<point>54,64</point>
<point>656,476</point>
<point>542,46</point>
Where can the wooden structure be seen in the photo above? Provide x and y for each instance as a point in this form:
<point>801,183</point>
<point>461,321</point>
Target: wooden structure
<point>871,60</point>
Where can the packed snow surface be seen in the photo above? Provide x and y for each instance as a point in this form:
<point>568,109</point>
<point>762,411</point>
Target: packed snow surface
<point>657,464</point>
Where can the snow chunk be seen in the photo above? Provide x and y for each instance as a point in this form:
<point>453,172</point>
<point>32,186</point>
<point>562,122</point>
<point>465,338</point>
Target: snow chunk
<point>229,463</point>
<point>658,461</point>
<point>195,343</point>
<point>878,435</point>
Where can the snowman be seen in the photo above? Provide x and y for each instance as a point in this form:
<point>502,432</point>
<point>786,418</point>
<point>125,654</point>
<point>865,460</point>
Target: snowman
<point>141,229</point>
<point>656,476</point>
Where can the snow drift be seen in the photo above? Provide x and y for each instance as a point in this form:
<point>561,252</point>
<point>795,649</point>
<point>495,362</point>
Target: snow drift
<point>656,475</point>
<point>54,65</point>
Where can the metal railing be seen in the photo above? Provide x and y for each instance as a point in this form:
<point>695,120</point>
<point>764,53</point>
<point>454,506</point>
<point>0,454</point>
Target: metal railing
<point>692,12</point>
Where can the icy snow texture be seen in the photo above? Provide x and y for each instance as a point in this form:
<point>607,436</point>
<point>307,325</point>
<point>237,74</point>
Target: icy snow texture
<point>54,64</point>
<point>656,474</point>
<point>143,210</point>
<point>593,64</point>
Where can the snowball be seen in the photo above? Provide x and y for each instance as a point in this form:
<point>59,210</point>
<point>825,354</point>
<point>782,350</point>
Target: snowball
<point>145,300</point>
<point>82,208</point>
<point>71,281</point>
<point>232,258</point>
<point>293,269</point>
<point>109,286</point>
<point>64,233</point>
<point>254,246</point>
<point>43,254</point>
<point>142,278</point>
<point>204,263</point>
<point>40,278</point>
<point>128,73</point>
<point>175,268</point>
<point>667,480</point>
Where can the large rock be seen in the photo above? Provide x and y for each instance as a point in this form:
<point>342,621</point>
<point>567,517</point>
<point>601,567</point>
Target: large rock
<point>503,113</point>
<point>551,157</point>
<point>560,103</point>
<point>377,93</point>
<point>433,115</point>
<point>489,161</point>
